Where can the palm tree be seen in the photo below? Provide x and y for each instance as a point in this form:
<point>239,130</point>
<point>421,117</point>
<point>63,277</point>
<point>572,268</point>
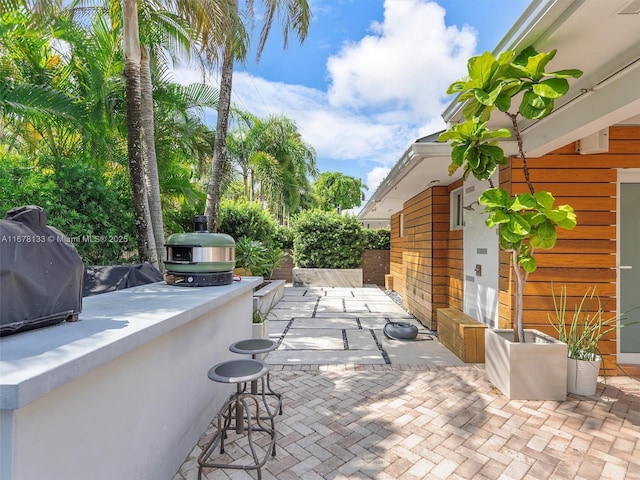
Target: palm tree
<point>272,156</point>
<point>295,15</point>
<point>211,21</point>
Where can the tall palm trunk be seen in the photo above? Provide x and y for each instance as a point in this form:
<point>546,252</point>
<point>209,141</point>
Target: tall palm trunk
<point>131,40</point>
<point>152,181</point>
<point>212,206</point>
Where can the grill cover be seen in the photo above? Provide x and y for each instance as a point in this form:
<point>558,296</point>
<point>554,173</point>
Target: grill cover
<point>40,272</point>
<point>118,277</point>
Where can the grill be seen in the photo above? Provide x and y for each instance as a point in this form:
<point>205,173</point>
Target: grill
<point>200,258</point>
<point>40,273</point>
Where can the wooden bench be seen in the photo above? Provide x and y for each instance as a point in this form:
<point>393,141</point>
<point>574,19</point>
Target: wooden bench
<point>461,334</point>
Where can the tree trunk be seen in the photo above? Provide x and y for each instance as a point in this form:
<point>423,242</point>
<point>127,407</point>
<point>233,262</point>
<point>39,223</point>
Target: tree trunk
<point>518,327</point>
<point>220,144</point>
<point>131,43</point>
<point>152,180</point>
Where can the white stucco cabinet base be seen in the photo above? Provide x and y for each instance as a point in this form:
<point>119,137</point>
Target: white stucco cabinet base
<point>123,393</point>
<point>533,370</point>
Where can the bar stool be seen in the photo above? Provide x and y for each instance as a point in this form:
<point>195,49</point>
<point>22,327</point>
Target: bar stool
<point>237,407</point>
<point>253,347</point>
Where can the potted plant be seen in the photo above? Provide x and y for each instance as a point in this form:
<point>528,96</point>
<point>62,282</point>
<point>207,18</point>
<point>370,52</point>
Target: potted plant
<point>525,221</point>
<point>587,326</point>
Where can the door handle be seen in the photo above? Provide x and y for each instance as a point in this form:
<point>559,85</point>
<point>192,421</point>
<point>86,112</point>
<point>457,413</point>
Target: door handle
<point>624,267</point>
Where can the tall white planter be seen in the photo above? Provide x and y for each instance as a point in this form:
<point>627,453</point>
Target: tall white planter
<point>260,330</point>
<point>532,370</point>
<point>582,376</point>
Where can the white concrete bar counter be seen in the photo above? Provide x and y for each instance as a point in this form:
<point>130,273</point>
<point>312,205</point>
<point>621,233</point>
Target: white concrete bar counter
<point>123,393</point>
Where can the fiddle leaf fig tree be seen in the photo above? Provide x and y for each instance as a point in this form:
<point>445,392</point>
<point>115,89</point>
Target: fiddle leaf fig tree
<point>525,221</point>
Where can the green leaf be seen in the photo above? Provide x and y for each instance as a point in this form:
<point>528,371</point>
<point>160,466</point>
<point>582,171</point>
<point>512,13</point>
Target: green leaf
<point>534,106</point>
<point>492,151</point>
<point>497,217</point>
<point>545,199</point>
<point>509,236</point>
<point>503,102</point>
<point>544,236</point>
<point>474,109</point>
<point>457,155</point>
<point>535,218</point>
<point>487,98</point>
<point>518,225</point>
<point>534,101</point>
<point>481,69</point>
<point>523,57</point>
<point>536,63</point>
<point>500,133</point>
<point>552,88</point>
<point>505,58</point>
<point>450,134</point>
<point>456,87</point>
<point>473,156</point>
<point>522,202</point>
<point>565,217</point>
<point>528,263</point>
<point>569,73</point>
<point>494,197</point>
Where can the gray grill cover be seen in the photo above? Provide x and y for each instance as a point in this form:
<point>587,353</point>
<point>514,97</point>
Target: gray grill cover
<point>40,272</point>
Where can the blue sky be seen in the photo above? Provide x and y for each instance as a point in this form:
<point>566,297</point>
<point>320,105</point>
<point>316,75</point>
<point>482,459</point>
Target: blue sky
<point>371,76</point>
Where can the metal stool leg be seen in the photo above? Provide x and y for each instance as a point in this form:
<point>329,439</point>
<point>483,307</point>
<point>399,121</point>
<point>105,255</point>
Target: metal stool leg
<point>237,414</point>
<point>223,424</point>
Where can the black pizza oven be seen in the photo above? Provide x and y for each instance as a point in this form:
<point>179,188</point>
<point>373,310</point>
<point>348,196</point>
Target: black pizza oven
<point>200,258</point>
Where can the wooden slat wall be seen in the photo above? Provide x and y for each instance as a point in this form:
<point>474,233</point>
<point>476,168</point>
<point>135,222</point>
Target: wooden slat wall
<point>585,256</point>
<point>426,263</point>
<point>453,274</point>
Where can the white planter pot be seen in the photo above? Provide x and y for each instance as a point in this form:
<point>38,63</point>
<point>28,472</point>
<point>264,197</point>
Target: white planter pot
<point>260,330</point>
<point>582,376</point>
<point>533,370</point>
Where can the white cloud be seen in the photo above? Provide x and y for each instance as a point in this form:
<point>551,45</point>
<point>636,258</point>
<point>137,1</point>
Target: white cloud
<point>404,65</point>
<point>375,177</point>
<point>386,90</point>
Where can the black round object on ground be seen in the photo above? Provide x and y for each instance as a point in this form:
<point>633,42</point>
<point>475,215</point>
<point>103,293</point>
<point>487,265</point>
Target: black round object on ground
<point>400,331</point>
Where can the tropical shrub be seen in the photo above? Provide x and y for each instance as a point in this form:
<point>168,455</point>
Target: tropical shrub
<point>284,237</point>
<point>327,240</point>
<point>87,206</point>
<point>377,239</point>
<point>247,219</point>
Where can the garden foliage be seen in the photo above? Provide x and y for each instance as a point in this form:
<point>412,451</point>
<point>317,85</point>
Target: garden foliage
<point>378,239</point>
<point>93,210</point>
<point>247,219</point>
<point>327,240</point>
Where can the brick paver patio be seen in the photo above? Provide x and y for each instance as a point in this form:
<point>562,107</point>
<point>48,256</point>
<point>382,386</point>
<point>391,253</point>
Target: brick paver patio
<point>438,422</point>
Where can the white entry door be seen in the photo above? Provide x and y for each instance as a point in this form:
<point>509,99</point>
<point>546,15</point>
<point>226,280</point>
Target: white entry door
<point>629,264</point>
<point>480,250</point>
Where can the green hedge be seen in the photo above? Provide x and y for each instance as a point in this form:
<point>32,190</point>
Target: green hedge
<point>378,239</point>
<point>284,238</point>
<point>327,240</point>
<point>247,219</point>
<point>90,208</point>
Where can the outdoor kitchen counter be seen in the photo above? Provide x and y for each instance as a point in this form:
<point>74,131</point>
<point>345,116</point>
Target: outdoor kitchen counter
<point>35,362</point>
<point>124,388</point>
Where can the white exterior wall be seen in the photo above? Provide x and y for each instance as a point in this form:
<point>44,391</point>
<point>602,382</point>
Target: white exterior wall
<point>134,398</point>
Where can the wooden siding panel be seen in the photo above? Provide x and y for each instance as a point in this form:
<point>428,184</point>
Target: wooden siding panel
<point>585,256</point>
